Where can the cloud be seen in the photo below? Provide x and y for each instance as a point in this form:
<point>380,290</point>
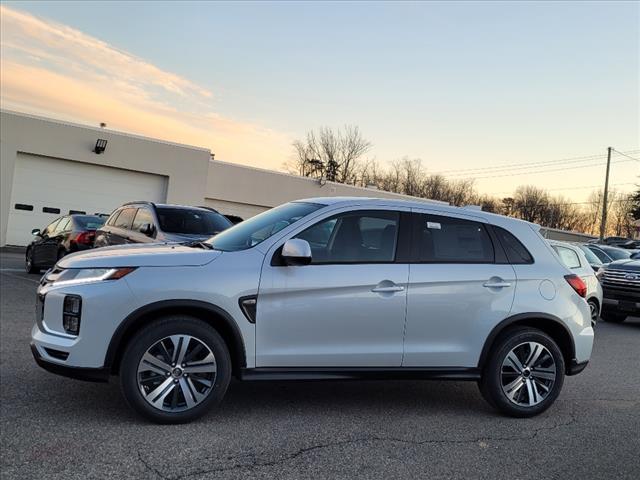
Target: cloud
<point>52,69</point>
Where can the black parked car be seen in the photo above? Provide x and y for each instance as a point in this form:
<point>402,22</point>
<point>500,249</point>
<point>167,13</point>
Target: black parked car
<point>607,253</point>
<point>64,235</point>
<point>146,222</point>
<point>621,290</point>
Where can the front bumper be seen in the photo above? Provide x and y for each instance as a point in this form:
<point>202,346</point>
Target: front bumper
<point>79,373</point>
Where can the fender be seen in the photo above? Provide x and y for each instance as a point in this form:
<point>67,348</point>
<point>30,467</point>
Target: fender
<point>129,324</point>
<point>533,319</point>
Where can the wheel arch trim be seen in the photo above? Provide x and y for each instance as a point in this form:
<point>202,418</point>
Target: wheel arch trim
<point>135,320</point>
<point>533,319</point>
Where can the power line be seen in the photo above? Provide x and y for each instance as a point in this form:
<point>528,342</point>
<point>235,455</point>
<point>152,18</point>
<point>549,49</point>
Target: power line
<point>625,155</point>
<point>517,166</point>
<point>583,187</point>
<point>536,172</point>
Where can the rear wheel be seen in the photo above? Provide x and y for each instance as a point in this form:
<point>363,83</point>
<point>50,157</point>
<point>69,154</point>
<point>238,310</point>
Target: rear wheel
<point>594,311</point>
<point>175,370</point>
<point>28,262</point>
<point>524,373</point>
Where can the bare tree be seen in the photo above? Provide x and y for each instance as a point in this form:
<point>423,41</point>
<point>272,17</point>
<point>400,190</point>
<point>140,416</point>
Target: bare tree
<point>336,155</point>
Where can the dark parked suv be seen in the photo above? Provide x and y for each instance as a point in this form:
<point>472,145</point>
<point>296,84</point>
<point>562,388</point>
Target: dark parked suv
<point>146,222</point>
<point>621,288</point>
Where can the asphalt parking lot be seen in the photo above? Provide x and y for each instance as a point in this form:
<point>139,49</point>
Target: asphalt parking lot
<point>53,427</point>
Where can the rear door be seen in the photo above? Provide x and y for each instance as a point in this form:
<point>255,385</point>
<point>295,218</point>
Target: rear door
<point>457,290</point>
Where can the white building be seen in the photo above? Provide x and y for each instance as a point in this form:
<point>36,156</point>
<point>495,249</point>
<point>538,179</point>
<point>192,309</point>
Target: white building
<point>49,168</point>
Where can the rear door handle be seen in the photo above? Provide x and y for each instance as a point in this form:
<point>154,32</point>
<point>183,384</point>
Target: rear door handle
<point>395,288</point>
<point>496,284</point>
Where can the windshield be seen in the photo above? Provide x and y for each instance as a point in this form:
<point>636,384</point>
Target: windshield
<point>191,221</point>
<point>257,229</point>
<point>591,257</point>
<point>88,222</point>
<point>617,253</point>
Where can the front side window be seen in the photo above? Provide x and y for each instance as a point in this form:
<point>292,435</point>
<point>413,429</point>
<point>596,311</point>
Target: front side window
<point>125,219</point>
<point>567,256</point>
<point>354,237</point>
<point>111,221</point>
<point>63,225</point>
<point>257,229</point>
<point>452,240</point>
<point>142,217</point>
<point>191,221</point>
<point>52,226</point>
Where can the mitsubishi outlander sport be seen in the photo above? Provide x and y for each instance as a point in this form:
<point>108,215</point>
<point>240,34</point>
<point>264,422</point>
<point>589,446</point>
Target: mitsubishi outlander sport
<point>325,288</point>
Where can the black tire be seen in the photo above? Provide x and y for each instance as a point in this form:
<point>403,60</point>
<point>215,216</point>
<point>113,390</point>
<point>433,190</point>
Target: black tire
<point>28,262</point>
<point>613,317</point>
<point>491,383</point>
<point>150,336</point>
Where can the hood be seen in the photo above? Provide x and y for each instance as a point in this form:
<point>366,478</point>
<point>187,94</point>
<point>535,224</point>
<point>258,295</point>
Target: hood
<point>140,255</point>
<point>626,265</point>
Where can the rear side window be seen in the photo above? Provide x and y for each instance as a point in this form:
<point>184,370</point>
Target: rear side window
<point>125,219</point>
<point>112,218</point>
<point>516,252</point>
<point>453,240</point>
<point>568,256</point>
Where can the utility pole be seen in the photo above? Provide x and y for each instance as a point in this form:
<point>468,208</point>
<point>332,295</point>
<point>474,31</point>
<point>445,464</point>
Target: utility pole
<point>603,224</point>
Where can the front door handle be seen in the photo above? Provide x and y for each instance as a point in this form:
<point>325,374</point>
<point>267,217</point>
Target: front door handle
<point>390,289</point>
<point>496,284</point>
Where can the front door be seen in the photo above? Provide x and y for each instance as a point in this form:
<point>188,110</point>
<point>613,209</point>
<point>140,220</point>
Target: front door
<point>457,292</point>
<point>347,308</point>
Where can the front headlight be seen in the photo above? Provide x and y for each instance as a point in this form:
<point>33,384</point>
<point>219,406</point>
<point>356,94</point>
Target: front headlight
<point>81,276</point>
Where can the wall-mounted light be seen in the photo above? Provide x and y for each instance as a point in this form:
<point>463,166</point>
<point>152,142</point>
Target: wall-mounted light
<point>101,145</point>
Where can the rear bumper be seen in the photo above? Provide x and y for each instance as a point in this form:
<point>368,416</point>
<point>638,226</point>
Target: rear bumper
<point>87,374</point>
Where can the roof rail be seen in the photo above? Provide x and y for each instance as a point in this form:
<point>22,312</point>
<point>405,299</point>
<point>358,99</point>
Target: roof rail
<point>146,202</point>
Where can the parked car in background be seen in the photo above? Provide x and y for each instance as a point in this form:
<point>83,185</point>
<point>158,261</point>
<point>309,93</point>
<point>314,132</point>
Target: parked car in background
<point>325,288</point>
<point>607,253</point>
<point>591,257</point>
<point>575,260</point>
<point>147,222</point>
<point>64,235</point>
<point>621,285</point>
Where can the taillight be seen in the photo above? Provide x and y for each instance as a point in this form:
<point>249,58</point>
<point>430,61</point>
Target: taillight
<point>85,238</point>
<point>577,284</point>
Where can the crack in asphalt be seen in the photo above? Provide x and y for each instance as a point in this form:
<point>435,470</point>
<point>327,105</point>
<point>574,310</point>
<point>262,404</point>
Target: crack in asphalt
<point>256,463</point>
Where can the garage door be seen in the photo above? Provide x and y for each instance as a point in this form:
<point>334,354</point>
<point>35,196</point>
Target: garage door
<point>46,188</point>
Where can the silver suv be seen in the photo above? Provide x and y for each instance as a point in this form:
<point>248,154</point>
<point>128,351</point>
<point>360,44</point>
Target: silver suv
<point>325,288</point>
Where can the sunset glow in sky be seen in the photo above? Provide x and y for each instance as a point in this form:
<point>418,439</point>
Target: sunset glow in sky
<point>459,85</point>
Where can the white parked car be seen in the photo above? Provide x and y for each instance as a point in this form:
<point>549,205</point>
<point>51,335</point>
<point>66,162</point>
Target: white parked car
<point>325,288</point>
<point>575,260</point>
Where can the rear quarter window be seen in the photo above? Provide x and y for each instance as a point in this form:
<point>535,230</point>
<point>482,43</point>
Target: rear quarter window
<point>516,252</point>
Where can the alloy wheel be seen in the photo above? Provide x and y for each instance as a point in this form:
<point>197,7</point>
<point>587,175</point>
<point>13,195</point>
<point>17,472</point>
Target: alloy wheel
<point>528,374</point>
<point>177,373</point>
<point>593,310</point>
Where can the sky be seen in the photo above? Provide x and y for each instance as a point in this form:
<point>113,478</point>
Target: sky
<point>464,86</point>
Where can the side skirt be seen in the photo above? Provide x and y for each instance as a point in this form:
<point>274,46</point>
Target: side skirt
<point>360,373</point>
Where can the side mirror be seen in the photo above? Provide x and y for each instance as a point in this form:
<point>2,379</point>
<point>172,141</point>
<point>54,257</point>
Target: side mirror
<point>36,231</point>
<point>296,252</point>
<point>146,229</point>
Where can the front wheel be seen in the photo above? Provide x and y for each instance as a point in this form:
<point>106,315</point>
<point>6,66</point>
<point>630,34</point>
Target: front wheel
<point>28,263</point>
<point>175,370</point>
<point>524,373</point>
